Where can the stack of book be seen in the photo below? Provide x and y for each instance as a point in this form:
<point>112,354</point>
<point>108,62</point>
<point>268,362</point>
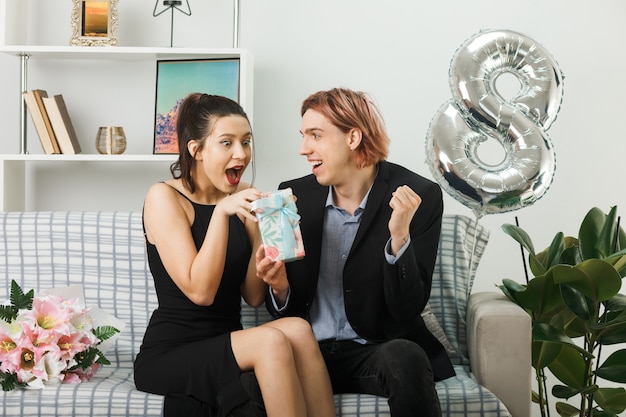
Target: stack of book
<point>52,122</point>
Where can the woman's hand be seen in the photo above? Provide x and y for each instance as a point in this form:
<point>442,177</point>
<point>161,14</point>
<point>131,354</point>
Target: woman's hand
<point>239,203</point>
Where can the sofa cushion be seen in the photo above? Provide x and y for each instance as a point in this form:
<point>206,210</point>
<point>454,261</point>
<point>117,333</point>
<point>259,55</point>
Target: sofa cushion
<point>432,323</point>
<point>461,246</point>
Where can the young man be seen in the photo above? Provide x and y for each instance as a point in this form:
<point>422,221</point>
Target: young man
<point>371,230</point>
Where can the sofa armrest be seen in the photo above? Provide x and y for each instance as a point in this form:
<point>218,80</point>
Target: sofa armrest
<point>499,347</point>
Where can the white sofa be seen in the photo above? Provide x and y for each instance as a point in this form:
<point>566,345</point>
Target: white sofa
<point>104,251</point>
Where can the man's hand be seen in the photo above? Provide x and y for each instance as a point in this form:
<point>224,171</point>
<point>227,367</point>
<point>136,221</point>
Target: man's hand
<point>404,203</point>
<point>273,273</point>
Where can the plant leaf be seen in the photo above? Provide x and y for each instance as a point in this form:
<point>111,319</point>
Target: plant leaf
<point>577,302</point>
<point>524,239</point>
<point>520,236</point>
<point>102,360</point>
<point>597,236</point>
<point>612,326</point>
<point>565,319</point>
<point>602,413</point>
<point>614,367</point>
<point>613,337</point>
<point>105,332</point>
<point>605,243</point>
<point>513,286</point>
<point>19,300</point>
<point>595,278</point>
<point>611,399</point>
<point>589,233</point>
<point>554,251</point>
<point>85,358</point>
<point>570,367</point>
<point>570,255</point>
<point>563,391</point>
<point>617,303</point>
<point>543,353</point>
<point>566,410</point>
<point>619,263</point>
<point>541,295</point>
<point>611,332</point>
<point>535,398</point>
<point>511,289</point>
<point>9,381</point>
<point>7,313</point>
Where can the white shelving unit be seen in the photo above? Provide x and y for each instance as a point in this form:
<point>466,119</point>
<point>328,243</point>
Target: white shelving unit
<point>14,169</point>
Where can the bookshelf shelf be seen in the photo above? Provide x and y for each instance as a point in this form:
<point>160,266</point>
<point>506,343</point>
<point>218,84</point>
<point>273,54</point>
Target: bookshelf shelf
<point>118,52</point>
<point>16,178</point>
<point>89,158</point>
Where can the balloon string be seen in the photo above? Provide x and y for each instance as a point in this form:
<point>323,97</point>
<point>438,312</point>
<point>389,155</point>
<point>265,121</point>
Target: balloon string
<point>523,257</point>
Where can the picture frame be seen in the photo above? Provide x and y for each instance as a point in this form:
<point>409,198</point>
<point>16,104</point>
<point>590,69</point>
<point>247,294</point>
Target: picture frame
<point>178,78</point>
<point>94,23</point>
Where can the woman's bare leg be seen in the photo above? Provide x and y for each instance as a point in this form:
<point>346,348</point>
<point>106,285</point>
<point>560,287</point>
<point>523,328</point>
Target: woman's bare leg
<point>310,366</point>
<point>268,352</point>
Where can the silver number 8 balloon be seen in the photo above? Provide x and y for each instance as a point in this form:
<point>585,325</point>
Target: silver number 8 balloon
<point>478,112</point>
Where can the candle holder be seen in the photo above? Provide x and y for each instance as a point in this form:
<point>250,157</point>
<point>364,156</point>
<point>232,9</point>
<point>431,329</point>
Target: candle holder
<point>171,5</point>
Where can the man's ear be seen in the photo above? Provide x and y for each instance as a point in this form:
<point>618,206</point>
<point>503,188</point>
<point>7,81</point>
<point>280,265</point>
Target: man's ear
<point>354,138</point>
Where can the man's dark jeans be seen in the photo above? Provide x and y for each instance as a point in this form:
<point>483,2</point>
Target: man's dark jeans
<point>398,370</point>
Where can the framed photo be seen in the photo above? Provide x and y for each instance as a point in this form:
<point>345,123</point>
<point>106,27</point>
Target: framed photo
<point>178,78</point>
<point>94,23</point>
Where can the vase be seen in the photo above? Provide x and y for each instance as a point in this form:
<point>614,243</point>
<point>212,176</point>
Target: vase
<point>111,140</point>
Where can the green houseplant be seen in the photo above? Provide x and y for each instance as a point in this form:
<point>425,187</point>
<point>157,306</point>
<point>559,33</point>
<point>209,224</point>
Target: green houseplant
<point>576,308</point>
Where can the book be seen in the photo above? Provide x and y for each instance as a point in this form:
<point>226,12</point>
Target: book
<point>62,124</point>
<point>38,120</point>
<point>39,96</point>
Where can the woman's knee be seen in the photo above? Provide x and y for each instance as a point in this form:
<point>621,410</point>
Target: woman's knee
<point>260,345</point>
<point>296,328</point>
<point>274,339</point>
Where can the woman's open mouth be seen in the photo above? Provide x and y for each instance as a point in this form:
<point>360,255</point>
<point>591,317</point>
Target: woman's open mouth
<point>233,175</point>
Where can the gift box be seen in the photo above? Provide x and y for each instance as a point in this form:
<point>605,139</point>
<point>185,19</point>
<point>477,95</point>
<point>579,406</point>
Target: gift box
<point>279,224</point>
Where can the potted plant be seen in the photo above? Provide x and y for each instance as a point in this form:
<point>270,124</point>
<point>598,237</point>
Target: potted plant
<point>576,308</point>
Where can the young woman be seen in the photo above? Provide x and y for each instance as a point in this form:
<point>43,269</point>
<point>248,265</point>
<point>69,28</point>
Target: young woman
<point>200,236</point>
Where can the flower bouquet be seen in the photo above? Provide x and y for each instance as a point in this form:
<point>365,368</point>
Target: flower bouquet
<point>48,339</point>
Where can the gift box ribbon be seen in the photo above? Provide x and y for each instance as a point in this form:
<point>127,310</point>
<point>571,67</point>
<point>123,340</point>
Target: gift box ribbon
<point>288,217</point>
